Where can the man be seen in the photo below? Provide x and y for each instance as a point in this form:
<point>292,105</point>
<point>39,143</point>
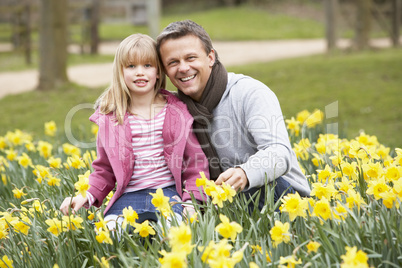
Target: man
<point>237,119</point>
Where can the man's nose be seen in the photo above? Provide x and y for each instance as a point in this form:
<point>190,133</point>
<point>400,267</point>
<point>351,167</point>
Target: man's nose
<point>183,67</point>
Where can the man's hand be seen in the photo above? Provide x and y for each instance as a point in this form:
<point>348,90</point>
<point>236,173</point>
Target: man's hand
<point>235,177</point>
<point>74,202</point>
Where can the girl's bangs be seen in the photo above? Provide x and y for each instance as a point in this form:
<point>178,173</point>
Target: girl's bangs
<point>139,54</point>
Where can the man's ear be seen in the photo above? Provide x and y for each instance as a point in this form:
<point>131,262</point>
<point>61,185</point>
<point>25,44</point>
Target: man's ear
<point>212,58</point>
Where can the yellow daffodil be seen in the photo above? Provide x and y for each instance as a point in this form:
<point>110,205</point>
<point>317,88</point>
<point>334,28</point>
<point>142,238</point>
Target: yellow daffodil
<point>11,154</point>
<point>377,187</point>
<point>161,202</point>
<point>45,149</point>
<point>322,209</point>
<point>340,212</point>
<point>354,199</point>
<point>173,259</point>
<point>320,190</point>
<point>229,191</point>
<point>354,258</point>
<point>313,246</point>
<point>55,226</point>
<point>100,224</point>
<point>22,226</point>
<point>82,185</point>
<point>53,181</point>
<point>201,181</point>
<point>76,162</point>
<point>302,116</point>
<point>54,162</point>
<point>280,233</point>
<point>180,238</point>
<point>73,222</point>
<point>41,172</point>
<point>144,229</point>
<point>18,193</point>
<point>50,128</point>
<point>290,261</point>
<point>89,157</point>
<point>294,205</point>
<point>5,262</point>
<point>393,173</point>
<point>325,175</point>
<point>344,185</point>
<point>228,229</point>
<point>389,199</point>
<point>130,216</point>
<point>94,129</point>
<point>103,236</point>
<point>24,160</point>
<point>293,125</point>
<point>91,215</point>
<point>71,150</point>
<point>301,149</point>
<point>314,119</point>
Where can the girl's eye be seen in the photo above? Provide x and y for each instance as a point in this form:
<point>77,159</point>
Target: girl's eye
<point>131,66</point>
<point>148,65</point>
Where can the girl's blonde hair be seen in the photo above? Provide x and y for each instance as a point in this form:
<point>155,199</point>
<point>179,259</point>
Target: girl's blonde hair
<point>136,48</point>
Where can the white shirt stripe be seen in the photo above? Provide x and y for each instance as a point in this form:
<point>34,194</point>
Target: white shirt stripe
<point>150,168</point>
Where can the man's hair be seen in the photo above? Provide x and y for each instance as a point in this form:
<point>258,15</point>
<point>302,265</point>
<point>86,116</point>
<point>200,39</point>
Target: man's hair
<point>179,29</point>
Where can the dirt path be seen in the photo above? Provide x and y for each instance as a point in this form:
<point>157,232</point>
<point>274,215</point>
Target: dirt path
<point>230,53</point>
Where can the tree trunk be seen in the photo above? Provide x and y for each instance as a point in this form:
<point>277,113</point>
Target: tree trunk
<point>94,26</point>
<point>331,8</point>
<point>396,21</point>
<point>52,44</point>
<point>363,24</point>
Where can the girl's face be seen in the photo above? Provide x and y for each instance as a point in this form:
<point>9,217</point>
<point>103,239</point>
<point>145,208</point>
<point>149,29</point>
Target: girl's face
<point>140,78</point>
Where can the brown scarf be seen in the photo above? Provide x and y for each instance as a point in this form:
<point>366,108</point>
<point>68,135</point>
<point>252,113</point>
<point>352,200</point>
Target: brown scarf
<point>202,113</point>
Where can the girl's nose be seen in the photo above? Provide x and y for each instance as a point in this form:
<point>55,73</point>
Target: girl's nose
<point>139,70</point>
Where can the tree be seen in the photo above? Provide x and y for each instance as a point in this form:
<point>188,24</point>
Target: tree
<point>52,44</point>
<point>363,24</point>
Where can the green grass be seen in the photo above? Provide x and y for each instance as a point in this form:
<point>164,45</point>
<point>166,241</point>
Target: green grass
<point>247,23</point>
<point>29,111</point>
<point>366,86</point>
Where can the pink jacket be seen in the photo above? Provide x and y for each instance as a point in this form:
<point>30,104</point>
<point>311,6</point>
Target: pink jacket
<point>115,158</point>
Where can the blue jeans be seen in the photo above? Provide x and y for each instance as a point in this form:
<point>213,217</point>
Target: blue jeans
<point>281,187</point>
<point>140,201</point>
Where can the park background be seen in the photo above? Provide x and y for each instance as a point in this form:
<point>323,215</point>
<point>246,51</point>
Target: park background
<point>351,219</point>
<point>364,79</point>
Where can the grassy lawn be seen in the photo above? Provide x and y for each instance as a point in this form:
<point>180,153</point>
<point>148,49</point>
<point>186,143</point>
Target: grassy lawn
<point>366,86</point>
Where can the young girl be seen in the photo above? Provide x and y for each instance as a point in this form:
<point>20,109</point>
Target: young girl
<point>145,139</point>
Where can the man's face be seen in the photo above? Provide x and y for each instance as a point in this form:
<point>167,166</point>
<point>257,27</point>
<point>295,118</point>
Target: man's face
<point>187,65</point>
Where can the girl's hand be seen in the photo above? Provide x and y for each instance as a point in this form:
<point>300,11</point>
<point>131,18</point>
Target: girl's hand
<point>188,211</point>
<point>75,203</point>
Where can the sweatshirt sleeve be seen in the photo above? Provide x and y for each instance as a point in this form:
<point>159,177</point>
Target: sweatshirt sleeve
<point>264,122</point>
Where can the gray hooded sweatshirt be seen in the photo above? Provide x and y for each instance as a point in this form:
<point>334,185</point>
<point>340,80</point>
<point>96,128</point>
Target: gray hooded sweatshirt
<point>248,131</point>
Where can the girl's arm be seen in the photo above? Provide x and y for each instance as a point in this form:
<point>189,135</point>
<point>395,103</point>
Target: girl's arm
<point>75,203</point>
<point>194,161</point>
<point>102,180</point>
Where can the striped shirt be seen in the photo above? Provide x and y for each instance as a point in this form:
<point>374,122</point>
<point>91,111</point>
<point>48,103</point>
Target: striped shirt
<point>150,168</point>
